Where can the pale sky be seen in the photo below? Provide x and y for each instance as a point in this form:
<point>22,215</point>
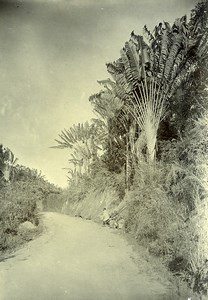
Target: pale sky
<point>52,52</point>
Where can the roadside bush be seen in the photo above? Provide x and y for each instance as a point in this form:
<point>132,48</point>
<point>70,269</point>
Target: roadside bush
<point>152,217</point>
<point>17,206</point>
<point>103,179</point>
<point>99,180</point>
<point>196,155</point>
<point>186,187</point>
<point>21,200</point>
<point>93,192</point>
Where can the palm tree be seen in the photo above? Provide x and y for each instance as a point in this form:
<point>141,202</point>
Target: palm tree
<point>81,140</point>
<point>115,124</point>
<point>147,75</point>
<point>106,104</point>
<point>111,122</point>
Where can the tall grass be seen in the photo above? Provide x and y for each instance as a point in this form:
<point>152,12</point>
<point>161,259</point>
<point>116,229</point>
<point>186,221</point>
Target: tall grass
<point>152,217</point>
<point>168,206</point>
<point>92,193</point>
<point>197,158</point>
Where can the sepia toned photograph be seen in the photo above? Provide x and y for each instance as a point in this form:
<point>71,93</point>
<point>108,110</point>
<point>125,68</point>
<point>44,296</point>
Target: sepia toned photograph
<point>103,150</point>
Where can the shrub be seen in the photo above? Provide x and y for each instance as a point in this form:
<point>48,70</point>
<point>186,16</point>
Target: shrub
<point>196,272</point>
<point>152,217</point>
<point>99,180</point>
<point>21,200</point>
<point>17,206</point>
<point>186,186</point>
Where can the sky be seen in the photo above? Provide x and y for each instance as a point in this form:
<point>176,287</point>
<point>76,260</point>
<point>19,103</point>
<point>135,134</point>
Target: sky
<point>52,52</point>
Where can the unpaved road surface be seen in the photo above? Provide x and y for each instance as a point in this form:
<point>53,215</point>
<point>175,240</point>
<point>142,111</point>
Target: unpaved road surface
<point>76,259</point>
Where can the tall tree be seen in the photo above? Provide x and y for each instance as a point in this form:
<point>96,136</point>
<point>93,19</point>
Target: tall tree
<point>106,106</point>
<point>81,140</point>
<point>147,75</point>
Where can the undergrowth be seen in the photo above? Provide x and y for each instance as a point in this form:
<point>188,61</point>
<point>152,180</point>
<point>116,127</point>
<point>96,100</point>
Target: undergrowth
<point>21,200</point>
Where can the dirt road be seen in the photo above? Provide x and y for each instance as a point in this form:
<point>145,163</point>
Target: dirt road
<point>76,259</point>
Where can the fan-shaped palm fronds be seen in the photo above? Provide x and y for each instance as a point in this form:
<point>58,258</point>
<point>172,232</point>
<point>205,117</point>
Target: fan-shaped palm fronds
<point>106,106</point>
<point>79,132</point>
<point>81,139</point>
<point>153,72</point>
<point>107,102</point>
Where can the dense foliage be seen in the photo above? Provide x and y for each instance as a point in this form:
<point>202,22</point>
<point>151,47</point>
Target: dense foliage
<point>149,143</point>
<point>24,193</point>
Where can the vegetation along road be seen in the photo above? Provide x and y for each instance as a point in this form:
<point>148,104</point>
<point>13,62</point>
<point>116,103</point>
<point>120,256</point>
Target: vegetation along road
<point>77,259</point>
